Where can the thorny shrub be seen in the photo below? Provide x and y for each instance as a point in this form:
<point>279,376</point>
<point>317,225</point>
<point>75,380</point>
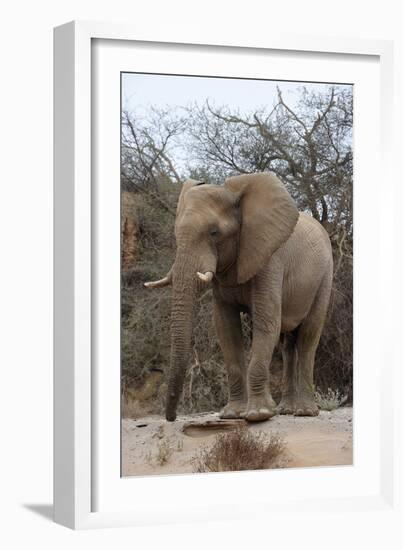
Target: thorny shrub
<point>240,449</point>
<point>330,400</point>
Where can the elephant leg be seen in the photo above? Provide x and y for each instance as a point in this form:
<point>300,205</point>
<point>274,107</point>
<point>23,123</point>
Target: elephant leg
<point>266,314</point>
<point>307,342</point>
<point>290,360</point>
<point>229,332</point>
<point>261,405</point>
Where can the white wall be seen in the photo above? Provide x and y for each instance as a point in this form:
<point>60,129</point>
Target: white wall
<point>26,258</point>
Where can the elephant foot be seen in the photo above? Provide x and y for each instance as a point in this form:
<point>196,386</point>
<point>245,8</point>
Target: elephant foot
<point>306,407</point>
<point>286,406</point>
<point>233,409</point>
<point>298,406</point>
<point>258,410</point>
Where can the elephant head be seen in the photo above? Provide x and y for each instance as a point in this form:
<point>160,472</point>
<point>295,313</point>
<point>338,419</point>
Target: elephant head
<point>238,225</point>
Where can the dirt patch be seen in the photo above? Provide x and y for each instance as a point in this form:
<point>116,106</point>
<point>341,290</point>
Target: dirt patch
<point>151,445</point>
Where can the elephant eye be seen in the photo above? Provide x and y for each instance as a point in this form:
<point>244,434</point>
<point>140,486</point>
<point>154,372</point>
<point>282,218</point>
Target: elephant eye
<point>214,232</point>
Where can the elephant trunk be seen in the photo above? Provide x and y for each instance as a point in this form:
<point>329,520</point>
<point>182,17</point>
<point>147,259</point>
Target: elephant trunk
<point>185,286</point>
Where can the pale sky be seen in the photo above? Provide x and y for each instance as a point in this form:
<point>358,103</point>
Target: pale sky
<point>139,91</point>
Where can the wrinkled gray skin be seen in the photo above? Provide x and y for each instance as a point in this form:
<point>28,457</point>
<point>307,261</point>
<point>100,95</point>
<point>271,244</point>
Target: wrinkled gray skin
<point>267,260</point>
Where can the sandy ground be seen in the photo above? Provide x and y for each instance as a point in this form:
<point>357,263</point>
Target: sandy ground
<point>151,445</point>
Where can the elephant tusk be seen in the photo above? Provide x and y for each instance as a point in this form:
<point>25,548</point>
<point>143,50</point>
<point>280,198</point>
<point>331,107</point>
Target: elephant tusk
<point>205,277</point>
<point>158,284</point>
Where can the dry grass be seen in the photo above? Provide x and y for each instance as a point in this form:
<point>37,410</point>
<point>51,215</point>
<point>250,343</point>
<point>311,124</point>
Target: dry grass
<point>131,408</point>
<point>330,400</point>
<point>164,452</point>
<point>144,398</point>
<point>334,357</point>
<point>238,450</point>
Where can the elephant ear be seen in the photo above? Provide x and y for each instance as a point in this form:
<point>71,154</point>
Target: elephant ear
<point>268,217</point>
<point>188,184</point>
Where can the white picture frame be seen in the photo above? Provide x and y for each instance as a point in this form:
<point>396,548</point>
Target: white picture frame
<point>79,427</point>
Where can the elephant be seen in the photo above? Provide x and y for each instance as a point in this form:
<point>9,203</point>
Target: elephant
<point>262,256</point>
